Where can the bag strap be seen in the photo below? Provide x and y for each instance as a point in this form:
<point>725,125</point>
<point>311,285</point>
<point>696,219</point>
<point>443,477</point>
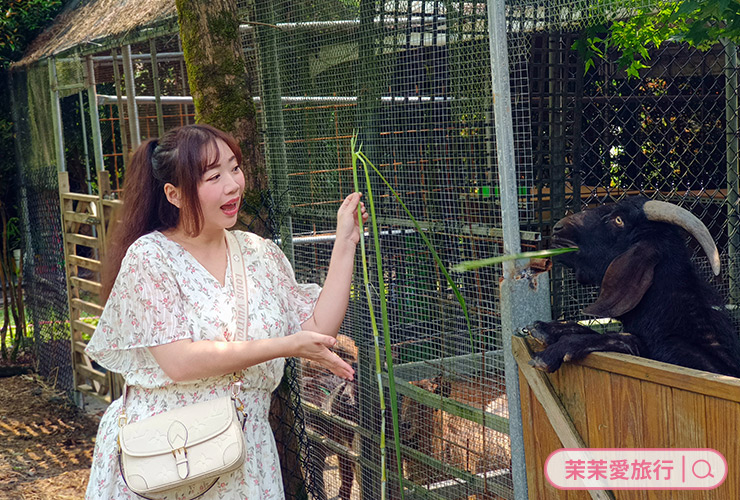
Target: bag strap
<point>239,280</point>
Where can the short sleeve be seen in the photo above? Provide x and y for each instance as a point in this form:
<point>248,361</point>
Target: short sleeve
<point>301,297</point>
<point>144,309</point>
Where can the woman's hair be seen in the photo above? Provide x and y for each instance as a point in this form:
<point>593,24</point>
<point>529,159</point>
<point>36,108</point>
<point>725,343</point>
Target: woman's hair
<point>180,158</point>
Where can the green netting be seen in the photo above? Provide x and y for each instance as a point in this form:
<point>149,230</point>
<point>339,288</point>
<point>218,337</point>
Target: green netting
<point>43,272</point>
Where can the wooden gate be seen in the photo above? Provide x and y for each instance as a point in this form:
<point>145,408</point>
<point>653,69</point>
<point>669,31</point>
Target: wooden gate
<point>85,220</point>
<point>618,401</point>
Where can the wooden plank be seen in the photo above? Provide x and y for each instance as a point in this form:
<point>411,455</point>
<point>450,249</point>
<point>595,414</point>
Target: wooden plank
<point>657,407</point>
<point>535,479</point>
<point>601,432</point>
<point>628,417</point>
<point>689,428</point>
<point>91,264</point>
<point>81,239</point>
<point>723,427</point>
<point>88,198</point>
<point>92,373</point>
<point>88,307</point>
<point>546,441</point>
<point>79,346</point>
<point>545,394</point>
<point>90,286</point>
<point>712,384</point>
<point>571,391</point>
<point>83,327</point>
<point>689,420</point>
<point>70,216</point>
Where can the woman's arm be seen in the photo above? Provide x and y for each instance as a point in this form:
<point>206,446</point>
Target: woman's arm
<point>188,360</point>
<point>331,305</point>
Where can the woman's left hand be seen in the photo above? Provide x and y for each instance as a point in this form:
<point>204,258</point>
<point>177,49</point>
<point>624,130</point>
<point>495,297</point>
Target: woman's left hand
<point>348,227</point>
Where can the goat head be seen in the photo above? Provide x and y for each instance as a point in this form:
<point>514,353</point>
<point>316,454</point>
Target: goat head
<point>636,253</point>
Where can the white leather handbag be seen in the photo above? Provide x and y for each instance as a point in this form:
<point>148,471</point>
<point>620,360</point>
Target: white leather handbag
<point>197,443</point>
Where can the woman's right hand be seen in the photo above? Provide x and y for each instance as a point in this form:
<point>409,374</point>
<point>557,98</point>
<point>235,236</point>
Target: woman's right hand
<point>317,347</point>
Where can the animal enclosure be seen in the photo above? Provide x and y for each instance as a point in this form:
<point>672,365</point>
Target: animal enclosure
<point>415,80</point>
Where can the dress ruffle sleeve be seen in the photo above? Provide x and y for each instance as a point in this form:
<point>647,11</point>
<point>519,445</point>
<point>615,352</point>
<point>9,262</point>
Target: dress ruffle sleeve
<point>145,309</point>
<point>301,297</point>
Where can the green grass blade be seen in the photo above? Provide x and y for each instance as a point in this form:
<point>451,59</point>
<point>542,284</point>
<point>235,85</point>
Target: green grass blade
<point>469,265</point>
<point>386,324</point>
<point>374,325</point>
<point>429,245</point>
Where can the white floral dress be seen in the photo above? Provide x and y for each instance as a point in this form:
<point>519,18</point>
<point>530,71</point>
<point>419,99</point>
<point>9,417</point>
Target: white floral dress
<point>163,294</point>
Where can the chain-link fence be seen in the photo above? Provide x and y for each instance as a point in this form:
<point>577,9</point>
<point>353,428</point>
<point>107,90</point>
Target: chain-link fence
<point>413,81</point>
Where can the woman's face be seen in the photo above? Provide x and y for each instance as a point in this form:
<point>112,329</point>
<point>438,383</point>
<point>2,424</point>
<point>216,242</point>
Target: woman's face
<point>220,189</point>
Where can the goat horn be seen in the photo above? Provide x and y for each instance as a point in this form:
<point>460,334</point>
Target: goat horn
<point>662,211</point>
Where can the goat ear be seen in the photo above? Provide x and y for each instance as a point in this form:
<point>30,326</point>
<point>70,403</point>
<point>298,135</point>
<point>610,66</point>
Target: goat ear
<point>625,282</point>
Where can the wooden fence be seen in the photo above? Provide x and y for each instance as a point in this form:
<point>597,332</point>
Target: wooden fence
<point>85,221</point>
<point>619,401</point>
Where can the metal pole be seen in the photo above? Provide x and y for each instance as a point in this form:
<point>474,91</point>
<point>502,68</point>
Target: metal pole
<point>731,155</point>
<point>272,110</point>
<point>56,116</point>
<point>520,302</point>
<point>133,112</point>
<point>119,102</point>
<point>88,178</point>
<point>92,99</point>
<point>157,92</point>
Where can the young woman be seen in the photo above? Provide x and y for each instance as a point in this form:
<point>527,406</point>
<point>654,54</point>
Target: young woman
<point>169,324</point>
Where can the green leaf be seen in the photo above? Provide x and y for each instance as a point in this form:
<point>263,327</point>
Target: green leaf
<point>476,264</point>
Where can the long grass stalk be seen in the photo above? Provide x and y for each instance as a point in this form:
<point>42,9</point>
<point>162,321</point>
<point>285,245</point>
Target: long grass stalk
<point>386,324</point>
<point>435,255</point>
<point>470,265</point>
<point>376,335</point>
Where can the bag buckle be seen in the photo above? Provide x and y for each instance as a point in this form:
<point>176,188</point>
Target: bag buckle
<point>181,461</point>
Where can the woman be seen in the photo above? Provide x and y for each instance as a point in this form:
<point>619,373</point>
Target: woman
<point>169,324</point>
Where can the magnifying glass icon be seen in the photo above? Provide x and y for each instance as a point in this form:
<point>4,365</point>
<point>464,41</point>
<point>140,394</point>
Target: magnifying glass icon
<point>709,470</point>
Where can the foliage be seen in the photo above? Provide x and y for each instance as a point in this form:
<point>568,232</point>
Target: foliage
<point>633,28</point>
<point>20,22</point>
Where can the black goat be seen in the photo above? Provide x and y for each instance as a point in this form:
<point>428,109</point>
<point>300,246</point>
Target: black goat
<point>636,252</point>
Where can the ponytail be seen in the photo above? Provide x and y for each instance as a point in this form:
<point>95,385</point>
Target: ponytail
<point>137,216</point>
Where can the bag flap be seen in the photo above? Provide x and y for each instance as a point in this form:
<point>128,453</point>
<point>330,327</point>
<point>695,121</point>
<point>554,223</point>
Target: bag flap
<point>201,421</point>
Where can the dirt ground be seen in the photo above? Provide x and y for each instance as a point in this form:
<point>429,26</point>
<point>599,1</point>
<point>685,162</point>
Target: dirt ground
<point>46,443</point>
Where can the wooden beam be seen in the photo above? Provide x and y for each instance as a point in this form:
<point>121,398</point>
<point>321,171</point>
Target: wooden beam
<point>710,384</point>
<point>81,239</point>
<point>88,307</point>
<point>91,264</point>
<point>90,286</point>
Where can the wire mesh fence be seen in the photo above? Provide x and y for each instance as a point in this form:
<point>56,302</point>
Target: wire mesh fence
<point>413,81</point>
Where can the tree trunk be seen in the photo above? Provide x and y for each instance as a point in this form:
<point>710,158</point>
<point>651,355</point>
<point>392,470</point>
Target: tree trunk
<point>222,91</point>
<point>222,94</point>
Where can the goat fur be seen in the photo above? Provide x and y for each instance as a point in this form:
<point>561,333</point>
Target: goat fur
<point>649,283</point>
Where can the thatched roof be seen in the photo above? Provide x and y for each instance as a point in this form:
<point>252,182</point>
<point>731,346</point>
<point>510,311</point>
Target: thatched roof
<point>85,24</point>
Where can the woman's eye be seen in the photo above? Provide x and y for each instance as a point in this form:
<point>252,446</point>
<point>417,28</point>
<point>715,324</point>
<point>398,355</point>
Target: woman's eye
<point>235,168</point>
<point>213,178</point>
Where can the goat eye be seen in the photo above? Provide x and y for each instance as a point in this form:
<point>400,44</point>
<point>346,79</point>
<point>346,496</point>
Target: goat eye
<point>618,221</point>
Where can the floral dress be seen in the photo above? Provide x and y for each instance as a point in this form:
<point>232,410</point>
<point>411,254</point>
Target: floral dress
<point>163,294</point>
